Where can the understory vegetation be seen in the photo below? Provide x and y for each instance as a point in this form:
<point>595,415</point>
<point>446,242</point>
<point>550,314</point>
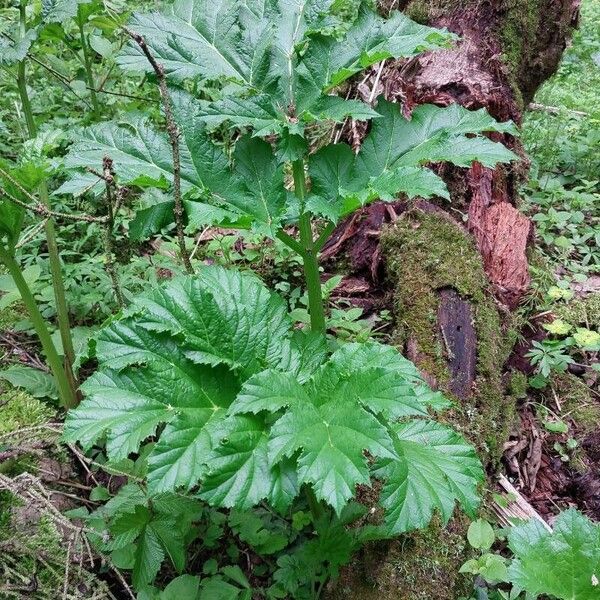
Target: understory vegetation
<point>190,407</point>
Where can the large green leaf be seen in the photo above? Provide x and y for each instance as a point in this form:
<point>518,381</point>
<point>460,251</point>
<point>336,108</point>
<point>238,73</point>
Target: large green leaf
<point>331,439</point>
<point>436,469</point>
<point>141,154</point>
<point>249,192</point>
<point>28,176</point>
<point>204,38</point>
<point>392,157</point>
<point>332,418</point>
<point>261,44</point>
<point>39,384</point>
<point>564,563</point>
<point>177,360</point>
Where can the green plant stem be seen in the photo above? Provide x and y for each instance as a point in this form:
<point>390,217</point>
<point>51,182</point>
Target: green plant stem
<point>310,257</point>
<point>316,510</point>
<point>62,310</point>
<point>87,62</point>
<point>66,392</point>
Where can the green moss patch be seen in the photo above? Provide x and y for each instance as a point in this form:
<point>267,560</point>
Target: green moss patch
<point>19,409</point>
<point>422,565</point>
<point>426,253</point>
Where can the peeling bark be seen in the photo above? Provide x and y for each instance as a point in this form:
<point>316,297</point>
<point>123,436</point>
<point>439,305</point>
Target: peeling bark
<point>507,48</point>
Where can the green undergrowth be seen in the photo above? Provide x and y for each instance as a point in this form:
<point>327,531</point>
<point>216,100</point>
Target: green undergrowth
<point>426,253</point>
<point>567,143</point>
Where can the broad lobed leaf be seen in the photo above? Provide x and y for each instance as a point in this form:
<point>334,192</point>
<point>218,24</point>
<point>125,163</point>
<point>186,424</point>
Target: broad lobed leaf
<point>177,359</point>
<point>251,411</point>
<point>436,469</point>
<point>564,563</point>
<point>392,157</point>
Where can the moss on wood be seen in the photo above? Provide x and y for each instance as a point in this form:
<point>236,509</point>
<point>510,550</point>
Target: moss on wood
<point>426,253</point>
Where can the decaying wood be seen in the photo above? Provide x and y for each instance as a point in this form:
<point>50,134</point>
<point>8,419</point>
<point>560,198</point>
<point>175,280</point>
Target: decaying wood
<point>516,507</point>
<point>506,49</point>
<point>458,334</point>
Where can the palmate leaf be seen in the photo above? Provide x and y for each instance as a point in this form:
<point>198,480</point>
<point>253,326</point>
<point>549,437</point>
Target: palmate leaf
<point>332,417</point>
<point>564,563</point>
<point>261,44</point>
<point>250,410</point>
<point>247,193</point>
<point>391,157</point>
<point>177,359</point>
<point>205,38</point>
<point>436,469</point>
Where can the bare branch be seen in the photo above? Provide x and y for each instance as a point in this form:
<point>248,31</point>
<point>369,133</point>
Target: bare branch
<point>39,208</point>
<point>173,133</point>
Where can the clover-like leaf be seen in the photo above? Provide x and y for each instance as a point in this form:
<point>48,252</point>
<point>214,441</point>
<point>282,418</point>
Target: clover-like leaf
<point>436,469</point>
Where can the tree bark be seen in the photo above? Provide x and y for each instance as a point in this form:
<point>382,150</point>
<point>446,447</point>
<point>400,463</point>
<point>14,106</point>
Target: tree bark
<point>457,271</point>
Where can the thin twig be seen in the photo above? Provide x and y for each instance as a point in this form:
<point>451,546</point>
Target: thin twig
<point>39,208</point>
<point>31,235</point>
<point>556,110</point>
<point>173,133</point>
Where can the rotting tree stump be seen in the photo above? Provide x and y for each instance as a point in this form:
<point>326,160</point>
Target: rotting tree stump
<point>457,271</point>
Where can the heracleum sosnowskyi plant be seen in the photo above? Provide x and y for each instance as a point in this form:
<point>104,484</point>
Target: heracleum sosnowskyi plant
<point>243,408</point>
<point>281,62</point>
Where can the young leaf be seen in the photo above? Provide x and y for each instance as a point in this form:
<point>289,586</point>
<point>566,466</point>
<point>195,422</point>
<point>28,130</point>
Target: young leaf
<point>437,468</point>
<point>480,535</point>
<point>564,563</point>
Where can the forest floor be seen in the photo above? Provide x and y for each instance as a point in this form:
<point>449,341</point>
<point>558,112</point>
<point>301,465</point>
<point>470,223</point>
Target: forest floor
<point>552,455</point>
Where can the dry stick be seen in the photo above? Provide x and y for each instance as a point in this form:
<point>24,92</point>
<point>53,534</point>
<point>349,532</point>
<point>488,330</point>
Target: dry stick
<point>173,133</point>
<point>39,208</point>
<point>556,110</point>
<point>108,176</point>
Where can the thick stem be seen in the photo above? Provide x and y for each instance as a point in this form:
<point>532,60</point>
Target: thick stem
<point>66,393</point>
<point>87,61</point>
<point>310,256</point>
<point>62,311</point>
